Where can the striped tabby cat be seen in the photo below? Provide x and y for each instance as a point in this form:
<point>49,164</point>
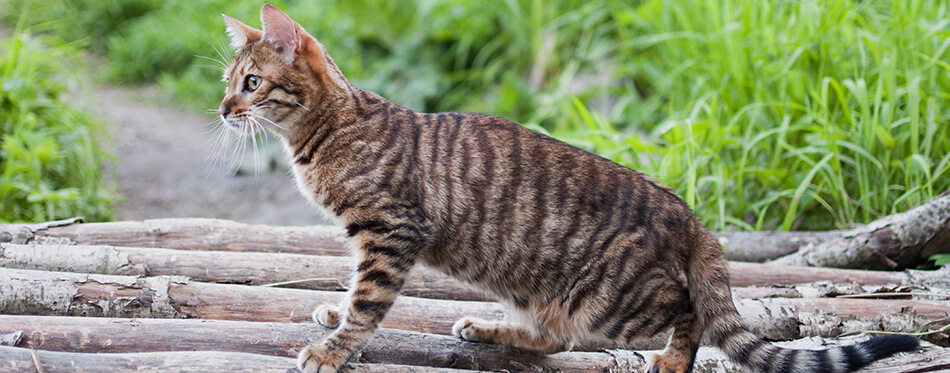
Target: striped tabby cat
<point>580,246</point>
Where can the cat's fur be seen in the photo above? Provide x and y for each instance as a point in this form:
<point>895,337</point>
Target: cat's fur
<point>579,245</point>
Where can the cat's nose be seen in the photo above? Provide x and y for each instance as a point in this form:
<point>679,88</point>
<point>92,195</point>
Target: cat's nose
<point>224,110</point>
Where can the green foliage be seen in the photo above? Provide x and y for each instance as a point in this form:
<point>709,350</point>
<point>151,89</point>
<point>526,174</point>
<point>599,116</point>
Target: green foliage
<point>51,162</point>
<point>89,21</point>
<point>940,260</point>
<point>762,115</point>
<point>802,114</point>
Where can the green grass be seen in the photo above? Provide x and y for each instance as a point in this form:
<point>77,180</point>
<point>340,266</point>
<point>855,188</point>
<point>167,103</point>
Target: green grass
<point>762,115</point>
<point>51,160</point>
<point>793,114</point>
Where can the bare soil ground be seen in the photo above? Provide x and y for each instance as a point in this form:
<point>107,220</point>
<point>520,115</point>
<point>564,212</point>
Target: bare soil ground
<point>165,168</point>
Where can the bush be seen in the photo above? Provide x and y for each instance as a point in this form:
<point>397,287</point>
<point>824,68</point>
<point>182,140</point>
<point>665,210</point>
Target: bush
<point>51,162</point>
<point>762,115</point>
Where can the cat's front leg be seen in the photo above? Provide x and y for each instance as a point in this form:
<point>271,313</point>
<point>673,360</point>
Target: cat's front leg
<point>385,259</point>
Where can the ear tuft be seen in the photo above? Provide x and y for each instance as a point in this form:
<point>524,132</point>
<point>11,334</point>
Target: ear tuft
<point>281,30</point>
<point>240,33</point>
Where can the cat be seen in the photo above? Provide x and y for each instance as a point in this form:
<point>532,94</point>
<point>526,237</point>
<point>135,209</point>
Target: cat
<point>578,245</point>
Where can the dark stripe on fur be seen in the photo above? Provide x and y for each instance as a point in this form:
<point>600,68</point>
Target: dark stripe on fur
<point>382,279</point>
<point>377,309</point>
<point>373,226</point>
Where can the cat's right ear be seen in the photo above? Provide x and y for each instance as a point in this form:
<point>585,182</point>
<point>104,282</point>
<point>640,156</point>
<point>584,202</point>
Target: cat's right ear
<point>240,33</point>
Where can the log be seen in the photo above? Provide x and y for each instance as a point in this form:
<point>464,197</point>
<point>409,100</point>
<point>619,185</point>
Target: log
<point>333,273</point>
<point>62,293</point>
<point>27,292</point>
<point>22,360</point>
<point>910,237</point>
<point>252,268</point>
<point>389,346</point>
<point>763,246</point>
<point>196,234</point>
<point>96,335</point>
<point>893,242</point>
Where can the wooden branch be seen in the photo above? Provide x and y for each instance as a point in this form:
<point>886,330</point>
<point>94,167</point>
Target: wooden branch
<point>88,334</point>
<point>324,272</point>
<point>200,234</point>
<point>893,242</point>
<point>118,336</point>
<point>62,293</point>
<point>764,246</point>
<point>333,273</point>
<point>20,360</point>
<point>909,237</point>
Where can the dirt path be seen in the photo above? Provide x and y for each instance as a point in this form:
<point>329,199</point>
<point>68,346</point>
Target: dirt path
<point>164,168</point>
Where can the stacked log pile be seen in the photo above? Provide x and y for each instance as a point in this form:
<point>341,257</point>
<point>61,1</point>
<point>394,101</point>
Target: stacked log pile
<point>198,295</point>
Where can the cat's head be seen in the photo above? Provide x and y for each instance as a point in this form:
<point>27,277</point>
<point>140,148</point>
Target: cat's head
<point>278,77</point>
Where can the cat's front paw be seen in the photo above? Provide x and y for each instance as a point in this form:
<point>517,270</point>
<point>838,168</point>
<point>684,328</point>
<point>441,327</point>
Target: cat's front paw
<point>327,316</point>
<point>319,359</point>
<point>467,329</point>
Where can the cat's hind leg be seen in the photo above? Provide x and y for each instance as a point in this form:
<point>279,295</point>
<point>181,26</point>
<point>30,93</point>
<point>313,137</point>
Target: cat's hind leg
<point>478,330</point>
<point>681,349</point>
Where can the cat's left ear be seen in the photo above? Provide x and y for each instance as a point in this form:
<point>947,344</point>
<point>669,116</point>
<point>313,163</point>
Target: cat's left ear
<point>240,33</point>
<point>281,30</point>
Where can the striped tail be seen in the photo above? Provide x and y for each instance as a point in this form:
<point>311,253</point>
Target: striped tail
<point>748,350</point>
<point>709,289</point>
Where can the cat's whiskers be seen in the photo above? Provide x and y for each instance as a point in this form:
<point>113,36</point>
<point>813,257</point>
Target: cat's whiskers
<point>254,129</point>
<point>220,148</point>
<point>268,121</point>
<point>301,105</point>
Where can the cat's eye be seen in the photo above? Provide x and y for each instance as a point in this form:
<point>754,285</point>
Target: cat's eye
<point>252,82</point>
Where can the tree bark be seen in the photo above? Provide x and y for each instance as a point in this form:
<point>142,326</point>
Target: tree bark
<point>763,246</point>
<point>252,268</point>
<point>119,336</point>
<point>903,238</point>
<point>893,242</point>
<point>389,346</point>
<point>22,360</point>
<point>28,292</point>
<point>62,293</point>
<point>333,273</point>
<point>197,234</point>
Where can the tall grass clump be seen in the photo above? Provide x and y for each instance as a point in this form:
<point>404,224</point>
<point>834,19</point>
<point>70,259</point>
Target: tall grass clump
<point>51,160</point>
<point>782,115</point>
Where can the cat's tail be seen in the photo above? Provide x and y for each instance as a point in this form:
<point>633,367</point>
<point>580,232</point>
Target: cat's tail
<point>712,300</point>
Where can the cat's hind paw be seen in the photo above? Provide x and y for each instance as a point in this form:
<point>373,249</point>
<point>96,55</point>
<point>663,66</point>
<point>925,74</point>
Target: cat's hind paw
<point>317,359</point>
<point>327,316</point>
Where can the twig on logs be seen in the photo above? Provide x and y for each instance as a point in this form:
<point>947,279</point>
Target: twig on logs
<point>36,359</point>
<point>303,280</point>
<point>893,295</point>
